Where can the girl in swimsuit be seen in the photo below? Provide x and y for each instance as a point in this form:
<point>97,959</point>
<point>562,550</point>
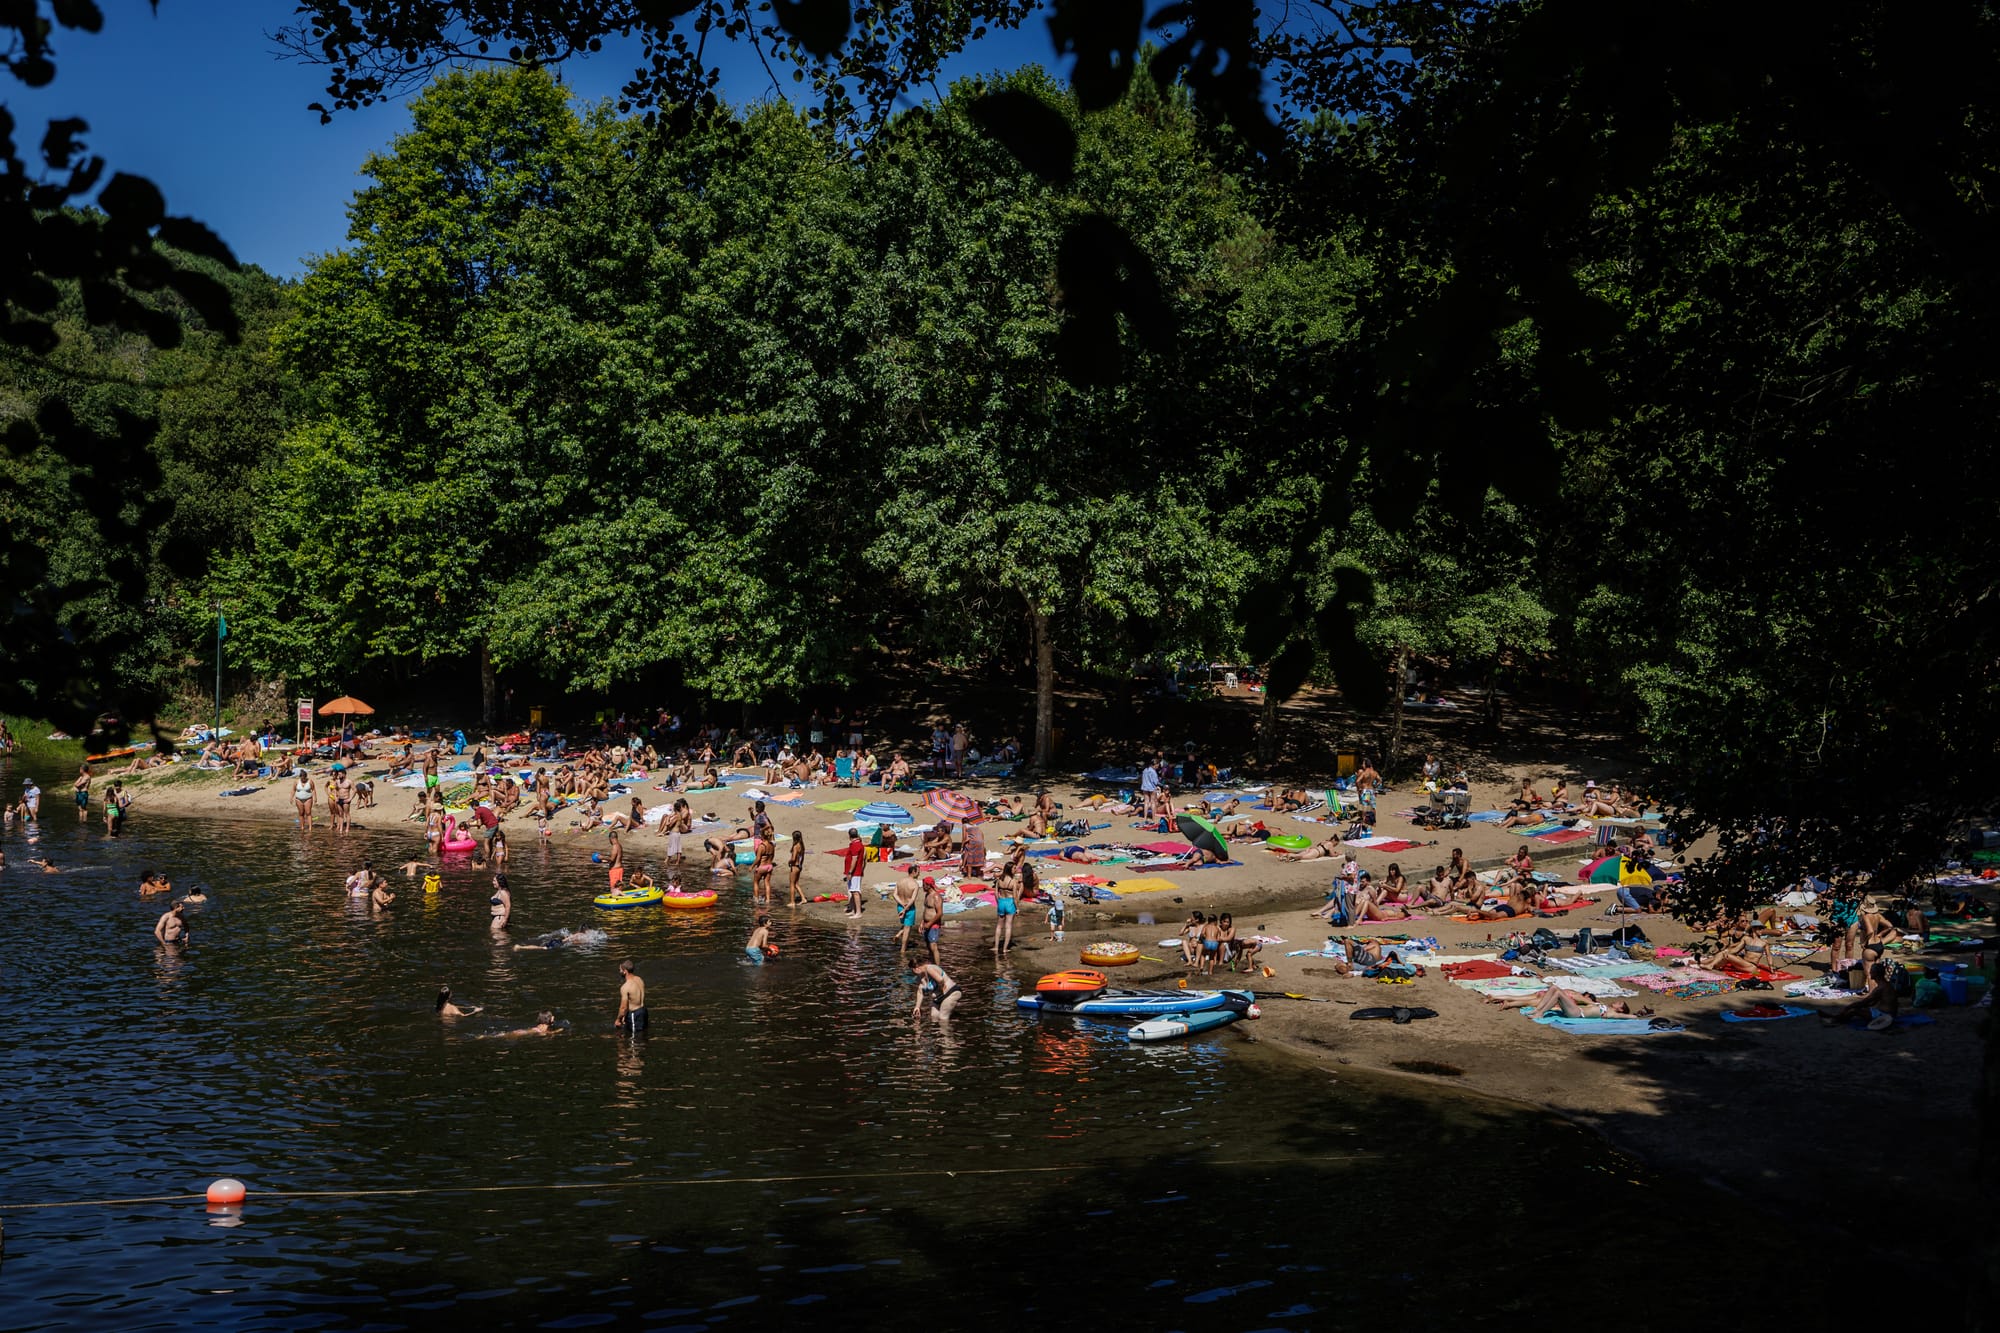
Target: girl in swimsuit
<point>1006,893</point>
<point>302,799</point>
<point>797,868</point>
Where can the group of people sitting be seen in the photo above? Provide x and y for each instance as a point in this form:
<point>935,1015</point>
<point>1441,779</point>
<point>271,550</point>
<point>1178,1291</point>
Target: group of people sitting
<point>1210,941</point>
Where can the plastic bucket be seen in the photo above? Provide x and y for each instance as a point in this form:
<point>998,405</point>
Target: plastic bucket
<point>1955,989</point>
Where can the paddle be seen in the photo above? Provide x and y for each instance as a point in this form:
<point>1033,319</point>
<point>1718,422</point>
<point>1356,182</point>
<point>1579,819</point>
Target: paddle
<point>1294,995</point>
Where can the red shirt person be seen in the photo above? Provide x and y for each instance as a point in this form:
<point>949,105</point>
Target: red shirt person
<point>851,862</point>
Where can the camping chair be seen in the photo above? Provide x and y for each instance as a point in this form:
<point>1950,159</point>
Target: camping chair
<point>843,772</point>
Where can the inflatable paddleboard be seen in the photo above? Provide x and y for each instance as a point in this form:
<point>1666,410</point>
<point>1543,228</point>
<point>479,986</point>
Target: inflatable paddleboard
<point>1184,1025</point>
<point>1120,1003</point>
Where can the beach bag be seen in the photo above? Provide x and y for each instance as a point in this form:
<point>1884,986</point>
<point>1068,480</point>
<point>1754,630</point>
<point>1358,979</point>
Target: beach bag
<point>1546,939</point>
<point>1583,940</point>
<point>1628,935</point>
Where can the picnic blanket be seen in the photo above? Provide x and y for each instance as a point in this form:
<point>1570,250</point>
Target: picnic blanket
<point>1561,835</point>
<point>1821,990</point>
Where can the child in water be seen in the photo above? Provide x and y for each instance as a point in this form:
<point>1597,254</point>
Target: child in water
<point>759,946</point>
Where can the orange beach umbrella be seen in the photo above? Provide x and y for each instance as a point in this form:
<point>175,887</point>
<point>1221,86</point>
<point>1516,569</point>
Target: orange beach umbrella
<point>345,704</point>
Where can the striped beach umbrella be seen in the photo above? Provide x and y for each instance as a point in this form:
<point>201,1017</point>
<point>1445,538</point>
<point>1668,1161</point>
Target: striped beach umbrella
<point>954,806</point>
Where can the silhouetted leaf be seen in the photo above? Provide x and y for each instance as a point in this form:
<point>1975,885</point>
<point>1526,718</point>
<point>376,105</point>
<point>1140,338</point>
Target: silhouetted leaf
<point>1289,670</point>
<point>820,25</point>
<point>1103,35</point>
<point>1033,131</point>
<point>660,13</point>
<point>191,236</point>
<point>133,201</point>
<point>81,14</point>
<point>59,144</point>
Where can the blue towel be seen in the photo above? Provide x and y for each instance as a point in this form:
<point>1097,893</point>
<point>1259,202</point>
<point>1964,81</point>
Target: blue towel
<point>1631,1027</point>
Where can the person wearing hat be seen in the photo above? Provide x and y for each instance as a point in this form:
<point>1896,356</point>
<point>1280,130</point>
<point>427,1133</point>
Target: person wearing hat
<point>932,918</point>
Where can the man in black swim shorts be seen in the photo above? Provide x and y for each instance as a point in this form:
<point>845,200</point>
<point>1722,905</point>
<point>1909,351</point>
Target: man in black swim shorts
<point>631,1000</point>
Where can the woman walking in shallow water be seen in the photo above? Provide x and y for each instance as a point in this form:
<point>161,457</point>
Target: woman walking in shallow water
<point>302,798</point>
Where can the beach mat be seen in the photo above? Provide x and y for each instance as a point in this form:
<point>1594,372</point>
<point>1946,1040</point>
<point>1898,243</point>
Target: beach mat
<point>843,807</point>
<point>1624,1027</point>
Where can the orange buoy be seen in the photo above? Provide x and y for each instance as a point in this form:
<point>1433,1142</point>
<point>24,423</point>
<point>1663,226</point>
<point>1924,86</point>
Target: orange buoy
<point>226,1191</point>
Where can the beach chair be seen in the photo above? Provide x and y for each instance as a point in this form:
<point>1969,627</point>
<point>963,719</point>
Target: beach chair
<point>843,772</point>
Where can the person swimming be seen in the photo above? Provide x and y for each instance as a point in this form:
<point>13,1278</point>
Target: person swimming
<point>446,1009</point>
<point>546,1025</point>
<point>565,938</point>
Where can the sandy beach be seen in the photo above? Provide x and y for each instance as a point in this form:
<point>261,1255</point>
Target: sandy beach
<point>1735,1104</point>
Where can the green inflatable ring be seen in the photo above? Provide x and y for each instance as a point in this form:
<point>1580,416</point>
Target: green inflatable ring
<point>1291,842</point>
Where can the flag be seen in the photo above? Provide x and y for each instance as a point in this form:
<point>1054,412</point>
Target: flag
<point>221,627</point>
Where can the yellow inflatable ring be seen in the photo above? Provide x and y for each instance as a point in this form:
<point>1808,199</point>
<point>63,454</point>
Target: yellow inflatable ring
<point>689,901</point>
<point>1111,954</point>
<point>628,898</point>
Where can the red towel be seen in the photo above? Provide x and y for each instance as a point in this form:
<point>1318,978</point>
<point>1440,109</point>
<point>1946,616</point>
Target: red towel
<point>1479,969</point>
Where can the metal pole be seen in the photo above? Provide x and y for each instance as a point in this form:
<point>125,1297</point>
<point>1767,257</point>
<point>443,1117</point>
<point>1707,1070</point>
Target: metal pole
<point>218,671</point>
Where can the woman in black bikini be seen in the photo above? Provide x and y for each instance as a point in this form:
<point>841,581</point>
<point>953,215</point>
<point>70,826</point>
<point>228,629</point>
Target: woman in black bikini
<point>935,984</point>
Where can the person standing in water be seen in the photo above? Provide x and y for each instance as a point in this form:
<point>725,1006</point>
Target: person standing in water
<point>615,862</point>
<point>502,902</point>
<point>170,928</point>
<point>906,894</point>
<point>1006,895</point>
<point>379,897</point>
<point>446,1009</point>
<point>763,866</point>
<point>302,798</point>
<point>631,1000</point>
<point>116,800</point>
<point>798,868</point>
<point>931,918</point>
<point>82,787</point>
<point>934,984</point>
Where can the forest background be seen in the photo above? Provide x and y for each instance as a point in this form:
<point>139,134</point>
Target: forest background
<point>1501,337</point>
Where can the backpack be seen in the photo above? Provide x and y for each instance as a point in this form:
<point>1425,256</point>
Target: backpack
<point>1625,935</point>
<point>1545,939</point>
<point>1583,940</point>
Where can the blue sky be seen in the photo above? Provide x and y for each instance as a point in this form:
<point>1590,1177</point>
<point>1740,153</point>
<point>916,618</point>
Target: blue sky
<point>198,99</point>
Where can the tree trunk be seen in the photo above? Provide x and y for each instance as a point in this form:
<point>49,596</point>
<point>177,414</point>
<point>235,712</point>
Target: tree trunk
<point>489,685</point>
<point>1267,732</point>
<point>1045,688</point>
<point>1392,759</point>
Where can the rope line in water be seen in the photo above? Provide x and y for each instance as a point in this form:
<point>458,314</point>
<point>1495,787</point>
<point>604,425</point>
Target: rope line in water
<point>616,1184</point>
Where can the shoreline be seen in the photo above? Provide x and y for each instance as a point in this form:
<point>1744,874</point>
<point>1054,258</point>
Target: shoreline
<point>1721,1103</point>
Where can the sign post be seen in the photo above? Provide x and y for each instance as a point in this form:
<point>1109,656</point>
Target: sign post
<point>305,721</point>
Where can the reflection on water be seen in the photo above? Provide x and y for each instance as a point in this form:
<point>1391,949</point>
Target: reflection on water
<point>785,1143</point>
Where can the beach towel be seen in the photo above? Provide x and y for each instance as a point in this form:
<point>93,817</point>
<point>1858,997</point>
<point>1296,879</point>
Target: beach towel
<point>1667,979</point>
<point>1561,836</point>
<point>1765,1013</point>
<point>1624,1027</point>
<point>1594,966</point>
<point>843,807</point>
<point>1165,848</point>
<point>1477,971</point>
<point>239,791</point>
<point>1821,990</point>
<point>1902,1021</point>
<point>1697,990</point>
<point>1759,973</point>
<point>1380,843</point>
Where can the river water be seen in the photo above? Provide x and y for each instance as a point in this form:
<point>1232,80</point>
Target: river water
<point>785,1145</point>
